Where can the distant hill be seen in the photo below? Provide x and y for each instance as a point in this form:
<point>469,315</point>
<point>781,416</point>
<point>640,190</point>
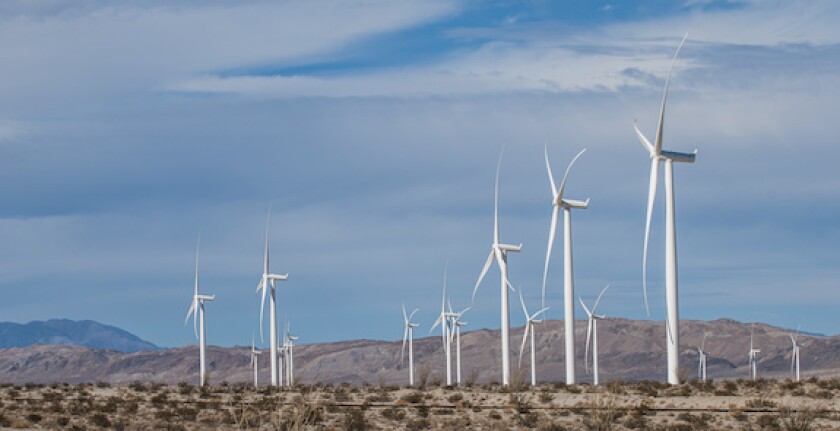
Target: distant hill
<point>629,350</point>
<point>85,333</point>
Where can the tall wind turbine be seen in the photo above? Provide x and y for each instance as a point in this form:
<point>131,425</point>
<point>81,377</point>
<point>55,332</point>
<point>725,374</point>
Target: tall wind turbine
<point>701,364</point>
<point>592,333</point>
<point>444,319</point>
<point>499,251</point>
<point>254,361</point>
<point>794,357</point>
<point>197,311</point>
<point>531,321</point>
<point>657,154</point>
<point>408,334</point>
<point>268,281</point>
<point>559,202</point>
<point>456,324</point>
<point>753,357</point>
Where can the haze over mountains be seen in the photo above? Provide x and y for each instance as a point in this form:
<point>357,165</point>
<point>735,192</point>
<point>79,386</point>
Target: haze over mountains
<point>629,350</point>
<point>86,333</point>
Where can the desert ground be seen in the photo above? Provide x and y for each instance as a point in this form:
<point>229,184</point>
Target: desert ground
<point>724,405</point>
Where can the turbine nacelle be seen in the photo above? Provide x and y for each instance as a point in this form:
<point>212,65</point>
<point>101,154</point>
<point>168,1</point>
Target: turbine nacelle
<point>574,203</point>
<point>508,248</point>
<point>205,297</point>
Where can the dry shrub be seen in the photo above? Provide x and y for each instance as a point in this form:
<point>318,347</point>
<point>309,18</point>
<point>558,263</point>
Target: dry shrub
<point>354,420</point>
<point>603,414</point>
<point>799,418</point>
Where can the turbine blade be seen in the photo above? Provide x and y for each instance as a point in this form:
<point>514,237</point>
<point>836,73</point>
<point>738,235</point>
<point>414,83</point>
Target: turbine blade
<point>267,225</point>
<point>792,359</point>
<point>524,340</point>
<point>648,146</point>
<point>566,175</point>
<point>524,308</point>
<point>496,201</point>
<point>443,297</point>
<point>197,245</point>
<point>585,308</point>
<point>405,316</point>
<point>551,233</point>
<point>412,314</point>
<point>550,175</point>
<point>483,273</point>
<point>402,351</point>
<point>595,307</point>
<point>262,309</point>
<point>542,310</point>
<point>654,172</point>
<point>437,322</point>
<point>658,142</point>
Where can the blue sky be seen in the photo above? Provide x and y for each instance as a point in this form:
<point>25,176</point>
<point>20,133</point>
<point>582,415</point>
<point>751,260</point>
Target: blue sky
<point>126,128</point>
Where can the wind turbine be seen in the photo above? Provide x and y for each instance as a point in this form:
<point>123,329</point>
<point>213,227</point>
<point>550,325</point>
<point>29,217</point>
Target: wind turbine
<point>592,333</point>
<point>568,276</point>
<point>794,356</point>
<point>657,154</point>
<point>197,311</point>
<point>445,322</point>
<point>456,324</point>
<point>268,280</point>
<point>254,362</point>
<point>753,357</point>
<point>408,334</point>
<point>289,344</point>
<point>531,320</point>
<point>701,365</point>
<point>499,251</point>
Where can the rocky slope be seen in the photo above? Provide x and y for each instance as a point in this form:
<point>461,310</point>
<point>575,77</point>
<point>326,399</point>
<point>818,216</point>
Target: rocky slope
<point>629,350</point>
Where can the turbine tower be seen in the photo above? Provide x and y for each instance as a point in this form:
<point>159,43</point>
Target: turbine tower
<point>559,202</point>
<point>456,324</point>
<point>701,364</point>
<point>267,282</point>
<point>592,334</point>
<point>531,321</point>
<point>753,357</point>
<point>499,251</point>
<point>408,334</point>
<point>197,311</point>
<point>254,362</point>
<point>794,357</point>
<point>657,154</point>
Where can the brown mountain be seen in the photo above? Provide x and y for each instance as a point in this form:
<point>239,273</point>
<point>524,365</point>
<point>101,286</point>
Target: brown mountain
<point>629,350</point>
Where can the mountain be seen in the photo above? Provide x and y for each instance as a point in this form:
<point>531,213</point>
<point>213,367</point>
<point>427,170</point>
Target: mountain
<point>85,333</point>
<point>629,350</point>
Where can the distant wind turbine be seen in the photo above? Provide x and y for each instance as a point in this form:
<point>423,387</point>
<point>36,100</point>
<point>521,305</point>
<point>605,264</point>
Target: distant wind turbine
<point>657,154</point>
<point>268,281</point>
<point>794,357</point>
<point>456,324</point>
<point>499,251</point>
<point>530,322</point>
<point>408,334</point>
<point>592,334</point>
<point>197,311</point>
<point>254,361</point>
<point>753,357</point>
<point>289,345</point>
<point>559,202</point>
<point>444,319</point>
<point>701,365</point>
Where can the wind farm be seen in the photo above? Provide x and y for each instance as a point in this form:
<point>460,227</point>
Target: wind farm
<point>336,152</point>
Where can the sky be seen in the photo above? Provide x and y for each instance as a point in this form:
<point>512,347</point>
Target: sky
<point>129,128</point>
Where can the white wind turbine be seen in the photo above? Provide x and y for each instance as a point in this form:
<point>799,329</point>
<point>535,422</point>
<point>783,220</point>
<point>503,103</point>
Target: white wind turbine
<point>794,357</point>
<point>254,362</point>
<point>289,345</point>
<point>701,364</point>
<point>559,202</point>
<point>657,154</point>
<point>408,334</point>
<point>456,324</point>
<point>444,319</point>
<point>592,333</point>
<point>531,321</point>
<point>753,357</point>
<point>268,281</point>
<point>197,311</point>
<point>499,251</point>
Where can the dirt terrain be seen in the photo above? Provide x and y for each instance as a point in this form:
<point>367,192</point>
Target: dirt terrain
<point>735,405</point>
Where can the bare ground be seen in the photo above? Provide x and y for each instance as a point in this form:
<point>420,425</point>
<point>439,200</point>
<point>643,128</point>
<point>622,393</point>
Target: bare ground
<point>735,405</point>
